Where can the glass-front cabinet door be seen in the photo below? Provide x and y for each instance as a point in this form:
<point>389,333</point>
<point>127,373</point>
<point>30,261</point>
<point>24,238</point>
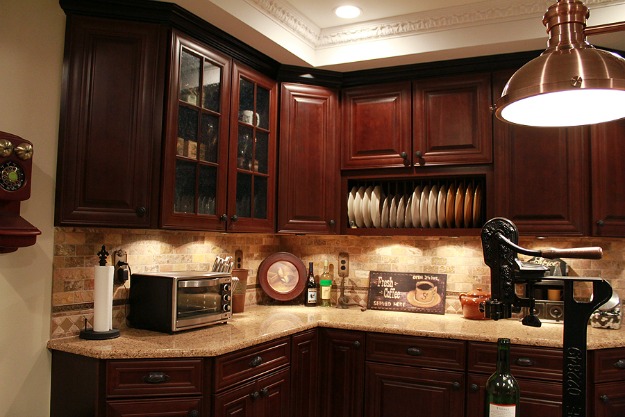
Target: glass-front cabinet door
<point>252,152</point>
<point>196,149</point>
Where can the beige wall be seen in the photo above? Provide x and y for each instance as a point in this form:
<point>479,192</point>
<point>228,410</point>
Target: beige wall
<point>31,54</point>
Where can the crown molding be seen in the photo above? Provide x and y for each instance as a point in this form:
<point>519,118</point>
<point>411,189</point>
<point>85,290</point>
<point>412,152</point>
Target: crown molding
<point>475,14</point>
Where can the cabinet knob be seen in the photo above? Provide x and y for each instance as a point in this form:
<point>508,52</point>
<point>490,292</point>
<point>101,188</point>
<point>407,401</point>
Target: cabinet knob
<point>156,378</point>
<point>223,217</point>
<point>455,385</point>
<point>254,395</point>
<point>332,222</point>
<point>418,154</point>
<point>404,155</point>
<point>604,398</point>
<point>193,413</point>
<point>414,351</point>
<point>620,364</point>
<point>356,344</point>
<point>141,211</point>
<point>258,360</point>
<point>600,222</point>
<point>524,362</point>
<point>474,388</point>
<point>234,218</point>
<point>264,392</point>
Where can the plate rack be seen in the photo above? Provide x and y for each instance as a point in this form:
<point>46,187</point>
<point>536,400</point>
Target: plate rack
<point>430,203</point>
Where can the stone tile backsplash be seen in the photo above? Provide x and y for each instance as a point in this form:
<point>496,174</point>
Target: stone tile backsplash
<point>459,258</point>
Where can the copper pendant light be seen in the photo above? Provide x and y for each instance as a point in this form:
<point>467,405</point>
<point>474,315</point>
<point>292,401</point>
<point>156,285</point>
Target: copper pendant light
<point>571,83</point>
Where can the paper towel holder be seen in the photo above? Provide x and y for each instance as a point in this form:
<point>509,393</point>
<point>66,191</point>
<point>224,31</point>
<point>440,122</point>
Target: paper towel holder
<point>91,334</point>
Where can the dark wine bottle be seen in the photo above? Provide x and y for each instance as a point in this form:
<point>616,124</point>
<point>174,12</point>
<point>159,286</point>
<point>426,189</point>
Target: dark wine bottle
<point>502,390</point>
<point>310,299</point>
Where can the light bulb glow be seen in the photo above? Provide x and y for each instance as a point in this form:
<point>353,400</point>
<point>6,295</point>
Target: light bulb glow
<point>567,108</point>
<point>347,12</point>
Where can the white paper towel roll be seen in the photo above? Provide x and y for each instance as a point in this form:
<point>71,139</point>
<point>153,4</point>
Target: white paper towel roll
<point>103,299</point>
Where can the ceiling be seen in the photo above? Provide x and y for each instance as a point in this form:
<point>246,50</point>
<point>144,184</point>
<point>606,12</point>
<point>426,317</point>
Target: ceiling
<point>392,32</point>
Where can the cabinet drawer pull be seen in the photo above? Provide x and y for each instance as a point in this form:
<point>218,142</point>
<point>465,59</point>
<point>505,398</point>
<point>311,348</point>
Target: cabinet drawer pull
<point>264,392</point>
<point>193,413</point>
<point>414,351</point>
<point>620,364</point>
<point>418,154</point>
<point>156,378</point>
<point>256,361</point>
<point>141,211</point>
<point>474,388</point>
<point>403,155</point>
<point>255,395</point>
<point>525,362</point>
<point>604,398</point>
<point>356,344</point>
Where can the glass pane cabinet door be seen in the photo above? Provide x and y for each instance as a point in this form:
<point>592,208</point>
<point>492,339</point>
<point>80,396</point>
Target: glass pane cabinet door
<point>251,206</point>
<point>196,149</point>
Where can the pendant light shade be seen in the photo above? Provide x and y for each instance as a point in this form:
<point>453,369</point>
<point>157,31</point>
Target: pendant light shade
<point>571,83</point>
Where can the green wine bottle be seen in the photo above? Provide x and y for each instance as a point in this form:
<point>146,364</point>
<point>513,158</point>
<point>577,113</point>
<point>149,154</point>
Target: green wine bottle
<point>502,390</point>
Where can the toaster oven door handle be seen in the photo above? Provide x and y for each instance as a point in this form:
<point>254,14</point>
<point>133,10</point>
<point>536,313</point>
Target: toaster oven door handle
<point>196,283</point>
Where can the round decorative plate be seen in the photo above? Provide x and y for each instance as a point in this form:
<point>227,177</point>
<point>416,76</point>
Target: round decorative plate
<point>366,207</point>
<point>401,212</point>
<point>282,276</point>
<point>358,207</point>
<point>451,199</point>
<point>423,207</point>
<point>350,206</point>
<point>432,215</point>
<point>441,205</point>
<point>386,206</point>
<point>408,222</point>
<point>459,203</point>
<point>477,206</point>
<point>468,206</point>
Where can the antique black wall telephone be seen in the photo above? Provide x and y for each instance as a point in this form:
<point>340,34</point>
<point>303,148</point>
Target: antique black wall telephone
<point>499,243</point>
<point>15,173</point>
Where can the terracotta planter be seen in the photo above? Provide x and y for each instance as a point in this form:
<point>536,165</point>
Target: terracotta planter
<point>471,304</point>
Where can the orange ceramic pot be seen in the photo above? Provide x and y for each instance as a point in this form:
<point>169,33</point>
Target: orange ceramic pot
<point>471,304</point>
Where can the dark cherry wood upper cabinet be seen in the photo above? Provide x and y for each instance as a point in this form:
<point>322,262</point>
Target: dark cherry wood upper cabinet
<point>195,165</point>
<point>308,191</point>
<point>376,126</point>
<point>111,123</point>
<point>608,178</point>
<point>252,153</point>
<point>452,121</point>
<point>542,177</point>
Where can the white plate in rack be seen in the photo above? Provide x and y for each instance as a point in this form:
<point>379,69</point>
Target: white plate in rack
<point>377,198</point>
<point>366,207</point>
<point>386,207</point>
<point>408,222</point>
<point>358,207</point>
<point>451,198</point>
<point>468,206</point>
<point>392,215</point>
<point>477,206</point>
<point>401,211</point>
<point>423,207</point>
<point>441,206</point>
<point>416,201</point>
<point>459,205</point>
<point>432,215</point>
<point>350,206</point>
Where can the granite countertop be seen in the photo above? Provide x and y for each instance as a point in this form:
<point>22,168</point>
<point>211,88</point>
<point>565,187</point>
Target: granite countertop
<point>259,324</point>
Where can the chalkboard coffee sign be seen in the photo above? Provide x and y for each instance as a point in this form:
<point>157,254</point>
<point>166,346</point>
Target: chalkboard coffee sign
<point>406,291</point>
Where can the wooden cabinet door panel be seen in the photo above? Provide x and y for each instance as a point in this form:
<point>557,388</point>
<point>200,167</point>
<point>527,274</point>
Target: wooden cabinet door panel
<point>308,191</point>
<point>304,374</point>
<point>538,398</point>
<point>541,179</point>
<point>608,179</point>
<point>111,124</point>
<point>609,400</point>
<point>179,407</point>
<point>376,126</point>
<point>395,390</point>
<point>452,121</point>
<point>341,373</point>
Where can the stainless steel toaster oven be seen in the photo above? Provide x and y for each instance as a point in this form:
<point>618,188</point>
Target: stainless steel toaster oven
<point>174,301</point>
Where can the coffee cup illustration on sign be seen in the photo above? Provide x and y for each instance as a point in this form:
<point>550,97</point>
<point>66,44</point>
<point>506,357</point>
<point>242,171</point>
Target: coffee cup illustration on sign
<point>424,295</point>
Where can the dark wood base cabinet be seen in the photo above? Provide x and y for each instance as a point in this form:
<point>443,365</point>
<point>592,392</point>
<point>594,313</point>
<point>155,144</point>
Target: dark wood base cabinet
<point>394,390</point>
<point>329,373</point>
